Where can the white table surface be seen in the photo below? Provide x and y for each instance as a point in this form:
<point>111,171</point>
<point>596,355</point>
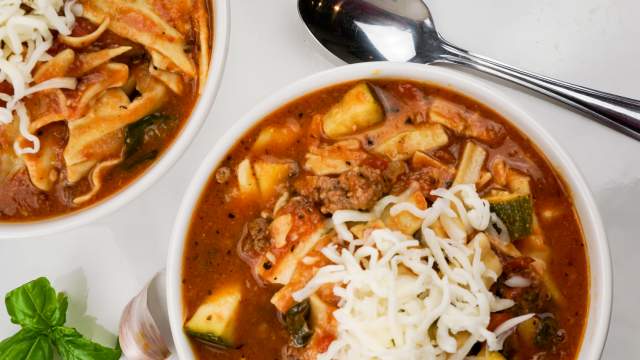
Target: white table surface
<point>589,42</point>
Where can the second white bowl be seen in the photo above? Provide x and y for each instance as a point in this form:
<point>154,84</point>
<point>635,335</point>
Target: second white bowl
<point>597,247</point>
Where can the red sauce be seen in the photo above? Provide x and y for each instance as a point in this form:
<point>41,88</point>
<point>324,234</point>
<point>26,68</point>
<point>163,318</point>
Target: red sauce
<point>21,201</point>
<point>211,258</point>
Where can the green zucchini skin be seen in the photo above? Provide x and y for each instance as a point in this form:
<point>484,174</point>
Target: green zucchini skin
<point>215,320</point>
<point>515,211</point>
<point>358,110</point>
<point>210,338</point>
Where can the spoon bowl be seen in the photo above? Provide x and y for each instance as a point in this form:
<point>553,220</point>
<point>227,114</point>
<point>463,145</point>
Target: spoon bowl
<point>404,31</point>
<point>374,30</point>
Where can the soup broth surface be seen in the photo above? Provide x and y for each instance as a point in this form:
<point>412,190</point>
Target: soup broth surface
<point>216,256</point>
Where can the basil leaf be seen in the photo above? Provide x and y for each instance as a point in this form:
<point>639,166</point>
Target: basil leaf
<point>71,345</point>
<point>26,344</point>
<point>35,305</point>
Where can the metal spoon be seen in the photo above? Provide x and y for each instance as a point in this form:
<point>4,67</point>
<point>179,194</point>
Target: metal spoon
<point>403,30</point>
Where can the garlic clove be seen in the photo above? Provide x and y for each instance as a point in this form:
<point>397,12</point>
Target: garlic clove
<point>144,325</point>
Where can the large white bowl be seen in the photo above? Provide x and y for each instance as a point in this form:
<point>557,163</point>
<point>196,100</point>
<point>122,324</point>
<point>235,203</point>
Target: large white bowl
<point>220,11</point>
<point>597,247</point>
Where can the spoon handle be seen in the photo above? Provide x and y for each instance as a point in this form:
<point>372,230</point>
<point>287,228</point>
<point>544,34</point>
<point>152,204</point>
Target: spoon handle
<point>618,112</point>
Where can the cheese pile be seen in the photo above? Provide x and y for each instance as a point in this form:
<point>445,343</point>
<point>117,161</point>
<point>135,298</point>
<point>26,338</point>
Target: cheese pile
<point>404,298</point>
<point>25,37</point>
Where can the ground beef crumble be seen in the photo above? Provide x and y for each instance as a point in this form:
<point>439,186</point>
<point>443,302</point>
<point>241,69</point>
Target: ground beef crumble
<point>357,189</point>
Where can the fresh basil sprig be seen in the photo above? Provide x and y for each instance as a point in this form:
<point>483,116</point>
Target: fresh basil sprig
<point>41,313</point>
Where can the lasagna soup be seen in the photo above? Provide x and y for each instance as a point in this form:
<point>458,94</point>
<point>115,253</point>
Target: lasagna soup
<point>91,93</point>
<point>385,219</point>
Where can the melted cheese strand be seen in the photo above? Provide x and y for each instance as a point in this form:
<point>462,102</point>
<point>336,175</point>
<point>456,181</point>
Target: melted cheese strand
<point>393,289</point>
<point>24,131</point>
<point>25,37</point>
<point>498,229</point>
<point>341,217</point>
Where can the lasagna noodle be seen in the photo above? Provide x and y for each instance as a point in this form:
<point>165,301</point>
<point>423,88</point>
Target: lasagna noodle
<point>136,20</point>
<point>105,77</point>
<point>99,136</point>
<point>57,67</point>
<point>42,166</point>
<point>10,163</point>
<point>79,42</point>
<point>88,61</point>
<point>204,40</point>
<point>96,179</point>
<point>46,107</point>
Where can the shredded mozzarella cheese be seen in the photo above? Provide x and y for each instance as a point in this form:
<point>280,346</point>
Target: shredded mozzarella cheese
<point>508,327</point>
<point>517,282</point>
<point>25,37</point>
<point>498,229</point>
<point>394,289</point>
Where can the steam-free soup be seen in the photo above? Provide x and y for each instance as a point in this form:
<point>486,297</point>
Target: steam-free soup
<point>385,219</point>
<point>92,93</point>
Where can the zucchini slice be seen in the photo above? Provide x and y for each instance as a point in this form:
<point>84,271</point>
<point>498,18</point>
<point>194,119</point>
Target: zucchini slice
<point>247,179</point>
<point>358,109</point>
<point>515,211</point>
<point>277,137</point>
<point>215,320</point>
<point>518,183</point>
<point>270,175</point>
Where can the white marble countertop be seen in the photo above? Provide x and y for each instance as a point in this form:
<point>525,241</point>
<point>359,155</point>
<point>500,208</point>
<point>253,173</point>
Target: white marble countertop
<point>588,42</point>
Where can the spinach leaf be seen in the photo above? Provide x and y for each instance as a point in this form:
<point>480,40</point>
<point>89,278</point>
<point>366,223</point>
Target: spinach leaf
<point>136,132</point>
<point>71,345</point>
<point>296,323</point>
<point>548,333</point>
<point>134,161</point>
<point>35,305</point>
<point>26,344</point>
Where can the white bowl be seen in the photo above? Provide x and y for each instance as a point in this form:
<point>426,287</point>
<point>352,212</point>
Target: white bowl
<point>597,247</point>
<point>220,10</point>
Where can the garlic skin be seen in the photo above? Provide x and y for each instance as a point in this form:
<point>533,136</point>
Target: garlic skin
<point>143,336</point>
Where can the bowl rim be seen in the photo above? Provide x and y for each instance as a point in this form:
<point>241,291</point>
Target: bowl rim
<point>199,114</point>
<point>598,256</point>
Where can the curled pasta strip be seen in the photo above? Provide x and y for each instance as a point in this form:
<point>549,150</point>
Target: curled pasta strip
<point>79,42</point>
